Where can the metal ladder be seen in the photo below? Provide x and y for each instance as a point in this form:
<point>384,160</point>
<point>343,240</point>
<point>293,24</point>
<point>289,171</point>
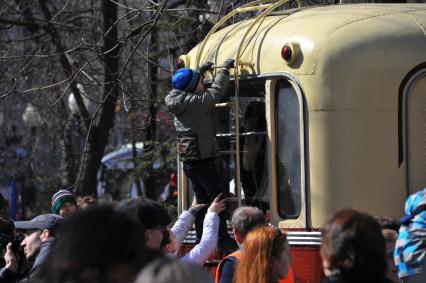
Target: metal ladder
<point>252,6</point>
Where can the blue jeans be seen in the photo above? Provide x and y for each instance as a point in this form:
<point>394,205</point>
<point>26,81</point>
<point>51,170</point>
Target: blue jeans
<point>208,180</point>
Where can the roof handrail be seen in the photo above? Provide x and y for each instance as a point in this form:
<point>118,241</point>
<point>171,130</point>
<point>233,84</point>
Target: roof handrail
<point>245,8</point>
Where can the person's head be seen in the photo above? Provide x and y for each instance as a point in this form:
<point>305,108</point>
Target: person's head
<point>153,217</point>
<point>245,219</point>
<point>188,80</point>
<point>38,230</point>
<point>389,223</point>
<point>353,246</point>
<point>64,203</point>
<point>265,256</point>
<point>254,116</point>
<point>86,201</point>
<point>166,270</point>
<point>390,227</point>
<point>170,244</point>
<point>97,244</point>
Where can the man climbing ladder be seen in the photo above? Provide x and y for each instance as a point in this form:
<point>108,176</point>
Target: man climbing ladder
<point>196,144</point>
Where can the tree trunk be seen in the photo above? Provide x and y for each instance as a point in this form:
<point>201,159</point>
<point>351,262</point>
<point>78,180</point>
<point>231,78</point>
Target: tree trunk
<point>152,85</point>
<point>99,132</point>
<point>150,182</point>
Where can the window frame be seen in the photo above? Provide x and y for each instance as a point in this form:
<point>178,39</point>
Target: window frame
<point>407,86</point>
<point>300,148</point>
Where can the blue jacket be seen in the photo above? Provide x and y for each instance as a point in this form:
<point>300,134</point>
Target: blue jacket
<point>410,248</point>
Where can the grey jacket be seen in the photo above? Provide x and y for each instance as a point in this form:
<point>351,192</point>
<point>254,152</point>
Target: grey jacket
<point>193,119</point>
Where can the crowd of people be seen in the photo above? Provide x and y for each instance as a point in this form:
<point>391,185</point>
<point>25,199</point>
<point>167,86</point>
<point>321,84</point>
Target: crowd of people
<point>134,241</point>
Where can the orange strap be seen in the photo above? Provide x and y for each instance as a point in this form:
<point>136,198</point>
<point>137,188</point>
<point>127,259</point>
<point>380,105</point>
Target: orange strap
<point>236,254</point>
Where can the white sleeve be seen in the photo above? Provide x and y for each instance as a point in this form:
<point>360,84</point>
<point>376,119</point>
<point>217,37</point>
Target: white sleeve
<point>201,252</point>
<point>182,226</point>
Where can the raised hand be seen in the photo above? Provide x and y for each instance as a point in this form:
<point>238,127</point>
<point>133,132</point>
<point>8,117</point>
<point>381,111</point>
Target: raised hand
<point>196,206</point>
<point>10,259</point>
<point>218,205</point>
<point>229,63</point>
<point>205,67</point>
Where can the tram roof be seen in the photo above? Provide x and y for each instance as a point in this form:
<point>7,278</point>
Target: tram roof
<point>324,35</point>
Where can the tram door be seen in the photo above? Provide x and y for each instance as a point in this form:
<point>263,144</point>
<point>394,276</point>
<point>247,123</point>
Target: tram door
<point>255,187</point>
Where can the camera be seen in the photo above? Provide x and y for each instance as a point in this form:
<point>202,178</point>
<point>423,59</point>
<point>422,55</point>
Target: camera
<point>15,240</point>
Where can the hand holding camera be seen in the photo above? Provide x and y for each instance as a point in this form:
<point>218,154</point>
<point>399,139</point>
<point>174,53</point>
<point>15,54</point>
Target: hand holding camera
<point>10,259</point>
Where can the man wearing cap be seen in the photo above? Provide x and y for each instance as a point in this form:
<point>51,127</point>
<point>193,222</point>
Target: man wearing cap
<point>152,215</point>
<point>64,203</point>
<point>196,143</point>
<point>40,233</point>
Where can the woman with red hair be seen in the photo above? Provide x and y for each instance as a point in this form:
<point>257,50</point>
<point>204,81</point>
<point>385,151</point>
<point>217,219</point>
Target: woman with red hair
<point>265,257</point>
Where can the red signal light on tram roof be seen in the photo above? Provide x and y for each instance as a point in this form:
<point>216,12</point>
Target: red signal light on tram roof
<point>286,53</point>
<point>179,64</point>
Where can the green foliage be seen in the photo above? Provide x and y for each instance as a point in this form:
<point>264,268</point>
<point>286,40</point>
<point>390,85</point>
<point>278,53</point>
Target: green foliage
<point>155,166</point>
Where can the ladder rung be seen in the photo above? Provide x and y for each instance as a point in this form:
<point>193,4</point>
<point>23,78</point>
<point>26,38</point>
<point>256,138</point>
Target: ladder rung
<point>224,104</point>
<point>227,152</point>
<point>241,134</point>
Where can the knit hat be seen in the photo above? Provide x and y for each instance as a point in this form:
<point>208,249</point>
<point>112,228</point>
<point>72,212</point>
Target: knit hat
<point>61,197</point>
<point>185,79</point>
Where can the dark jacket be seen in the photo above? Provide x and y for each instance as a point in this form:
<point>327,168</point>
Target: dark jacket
<point>7,276</point>
<point>337,278</point>
<point>193,119</point>
<point>34,273</point>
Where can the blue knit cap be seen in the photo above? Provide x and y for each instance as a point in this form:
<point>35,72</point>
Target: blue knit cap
<point>185,79</point>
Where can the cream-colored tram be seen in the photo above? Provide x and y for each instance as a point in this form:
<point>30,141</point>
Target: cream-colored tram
<point>326,110</point>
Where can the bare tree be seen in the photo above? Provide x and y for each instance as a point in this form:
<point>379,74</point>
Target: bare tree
<point>114,58</point>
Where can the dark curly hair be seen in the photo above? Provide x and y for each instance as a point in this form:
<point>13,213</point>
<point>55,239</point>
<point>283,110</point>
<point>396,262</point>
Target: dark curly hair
<point>354,247</point>
<point>96,245</point>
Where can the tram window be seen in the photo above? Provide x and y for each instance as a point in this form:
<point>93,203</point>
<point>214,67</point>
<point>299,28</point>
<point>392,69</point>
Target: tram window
<point>253,158</point>
<point>288,151</point>
<point>416,134</point>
